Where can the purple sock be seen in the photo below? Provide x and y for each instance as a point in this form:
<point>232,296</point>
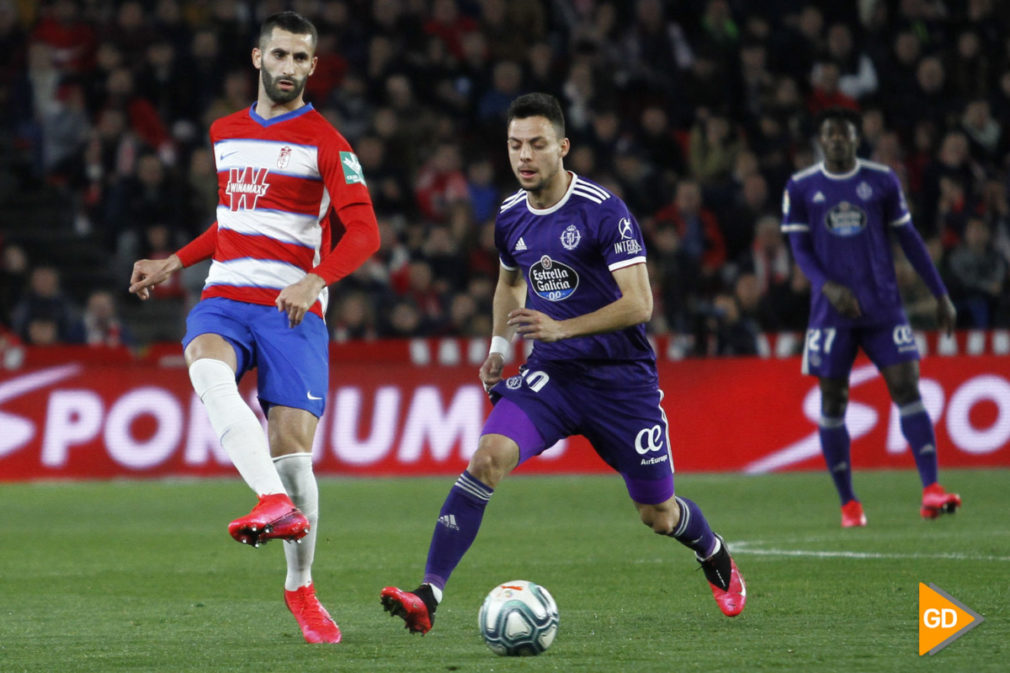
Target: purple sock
<point>917,428</point>
<point>835,447</point>
<point>457,526</point>
<point>693,530</point>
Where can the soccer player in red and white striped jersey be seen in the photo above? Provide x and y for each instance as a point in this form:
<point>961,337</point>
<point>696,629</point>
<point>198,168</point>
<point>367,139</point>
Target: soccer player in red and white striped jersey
<point>284,174</point>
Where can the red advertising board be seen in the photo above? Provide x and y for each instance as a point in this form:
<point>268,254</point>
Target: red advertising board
<point>101,417</point>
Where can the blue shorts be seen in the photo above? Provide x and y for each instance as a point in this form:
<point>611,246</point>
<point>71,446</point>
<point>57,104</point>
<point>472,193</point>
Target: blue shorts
<point>292,362</point>
<point>627,427</point>
<point>830,351</point>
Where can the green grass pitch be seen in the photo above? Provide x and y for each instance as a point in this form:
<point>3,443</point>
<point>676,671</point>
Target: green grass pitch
<point>142,576</point>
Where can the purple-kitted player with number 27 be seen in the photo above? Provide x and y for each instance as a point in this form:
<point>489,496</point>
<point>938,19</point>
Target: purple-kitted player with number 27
<point>840,215</point>
<point>573,279</point>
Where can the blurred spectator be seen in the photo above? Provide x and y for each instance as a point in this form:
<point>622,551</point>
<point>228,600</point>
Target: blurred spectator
<point>151,195</point>
<point>987,143</point>
<point>13,278</point>
<point>441,183</point>
<point>353,318</point>
<point>696,226</point>
<point>768,258</point>
<point>713,148</point>
<point>948,177</point>
<point>68,35</point>
<point>404,320</point>
<point>102,324</point>
<point>825,85</point>
<point>738,220</point>
<point>728,331</point>
<point>857,74</point>
<point>978,276</point>
<point>45,315</point>
<point>788,303</point>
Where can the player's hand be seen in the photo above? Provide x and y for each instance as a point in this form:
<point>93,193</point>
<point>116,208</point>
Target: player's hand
<point>490,371</point>
<point>946,314</point>
<point>297,298</point>
<point>532,324</point>
<point>149,272</point>
<point>842,299</point>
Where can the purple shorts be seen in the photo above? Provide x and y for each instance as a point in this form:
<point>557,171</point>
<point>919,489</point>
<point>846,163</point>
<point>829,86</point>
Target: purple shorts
<point>830,351</point>
<point>292,362</point>
<point>627,428</point>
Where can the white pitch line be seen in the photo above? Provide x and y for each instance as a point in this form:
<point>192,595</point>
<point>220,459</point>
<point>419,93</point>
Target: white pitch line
<point>744,548</point>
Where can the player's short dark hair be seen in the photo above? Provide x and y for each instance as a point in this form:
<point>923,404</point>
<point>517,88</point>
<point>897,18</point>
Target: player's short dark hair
<point>292,22</point>
<point>539,105</point>
<point>843,114</point>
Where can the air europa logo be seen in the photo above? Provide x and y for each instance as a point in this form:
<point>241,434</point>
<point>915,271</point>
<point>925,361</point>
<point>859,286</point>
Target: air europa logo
<point>942,619</point>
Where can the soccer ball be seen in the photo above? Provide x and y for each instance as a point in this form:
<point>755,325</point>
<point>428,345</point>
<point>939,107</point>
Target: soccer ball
<point>518,618</point>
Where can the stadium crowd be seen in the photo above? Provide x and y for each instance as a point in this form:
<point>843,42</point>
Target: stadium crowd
<point>694,112</point>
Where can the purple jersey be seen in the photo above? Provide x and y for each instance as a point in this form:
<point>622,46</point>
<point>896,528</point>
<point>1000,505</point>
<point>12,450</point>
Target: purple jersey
<point>847,217</point>
<point>567,254</point>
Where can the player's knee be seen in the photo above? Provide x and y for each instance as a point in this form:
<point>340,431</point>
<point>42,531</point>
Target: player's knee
<point>492,461</point>
<point>834,401</point>
<point>662,520</point>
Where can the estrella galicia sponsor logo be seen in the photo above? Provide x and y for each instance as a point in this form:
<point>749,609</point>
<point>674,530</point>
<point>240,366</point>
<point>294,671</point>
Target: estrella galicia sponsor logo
<point>570,237</point>
<point>845,219</point>
<point>552,280</point>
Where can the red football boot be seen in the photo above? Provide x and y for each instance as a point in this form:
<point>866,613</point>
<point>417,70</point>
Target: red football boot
<point>416,609</point>
<point>316,624</point>
<point>727,583</point>
<point>936,501</point>
<point>852,514</point>
<point>274,517</point>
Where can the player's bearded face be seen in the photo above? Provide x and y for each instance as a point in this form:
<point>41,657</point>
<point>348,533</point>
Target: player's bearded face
<point>285,62</point>
<point>282,88</point>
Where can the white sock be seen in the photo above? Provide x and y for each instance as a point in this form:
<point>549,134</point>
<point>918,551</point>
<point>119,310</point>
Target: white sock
<point>295,471</point>
<point>236,425</point>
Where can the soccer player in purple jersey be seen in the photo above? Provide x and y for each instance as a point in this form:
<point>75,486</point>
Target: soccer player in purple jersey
<point>839,216</point>
<point>573,279</point>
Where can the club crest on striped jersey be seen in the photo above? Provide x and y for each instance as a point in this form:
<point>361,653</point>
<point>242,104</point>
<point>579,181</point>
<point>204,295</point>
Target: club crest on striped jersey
<point>245,187</point>
<point>570,237</point>
<point>284,158</point>
<point>552,280</point>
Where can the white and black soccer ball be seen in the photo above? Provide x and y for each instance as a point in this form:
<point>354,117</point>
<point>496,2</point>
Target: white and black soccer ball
<point>518,618</point>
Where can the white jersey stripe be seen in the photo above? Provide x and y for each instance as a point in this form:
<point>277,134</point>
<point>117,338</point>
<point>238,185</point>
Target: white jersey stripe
<point>601,193</point>
<point>272,223</point>
<point>627,262</point>
<point>249,272</point>
<point>587,195</point>
<point>795,227</point>
<point>293,160</point>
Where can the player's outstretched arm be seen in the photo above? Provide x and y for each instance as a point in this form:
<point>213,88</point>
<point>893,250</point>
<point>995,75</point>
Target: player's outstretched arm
<point>149,272</point>
<point>633,307</point>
